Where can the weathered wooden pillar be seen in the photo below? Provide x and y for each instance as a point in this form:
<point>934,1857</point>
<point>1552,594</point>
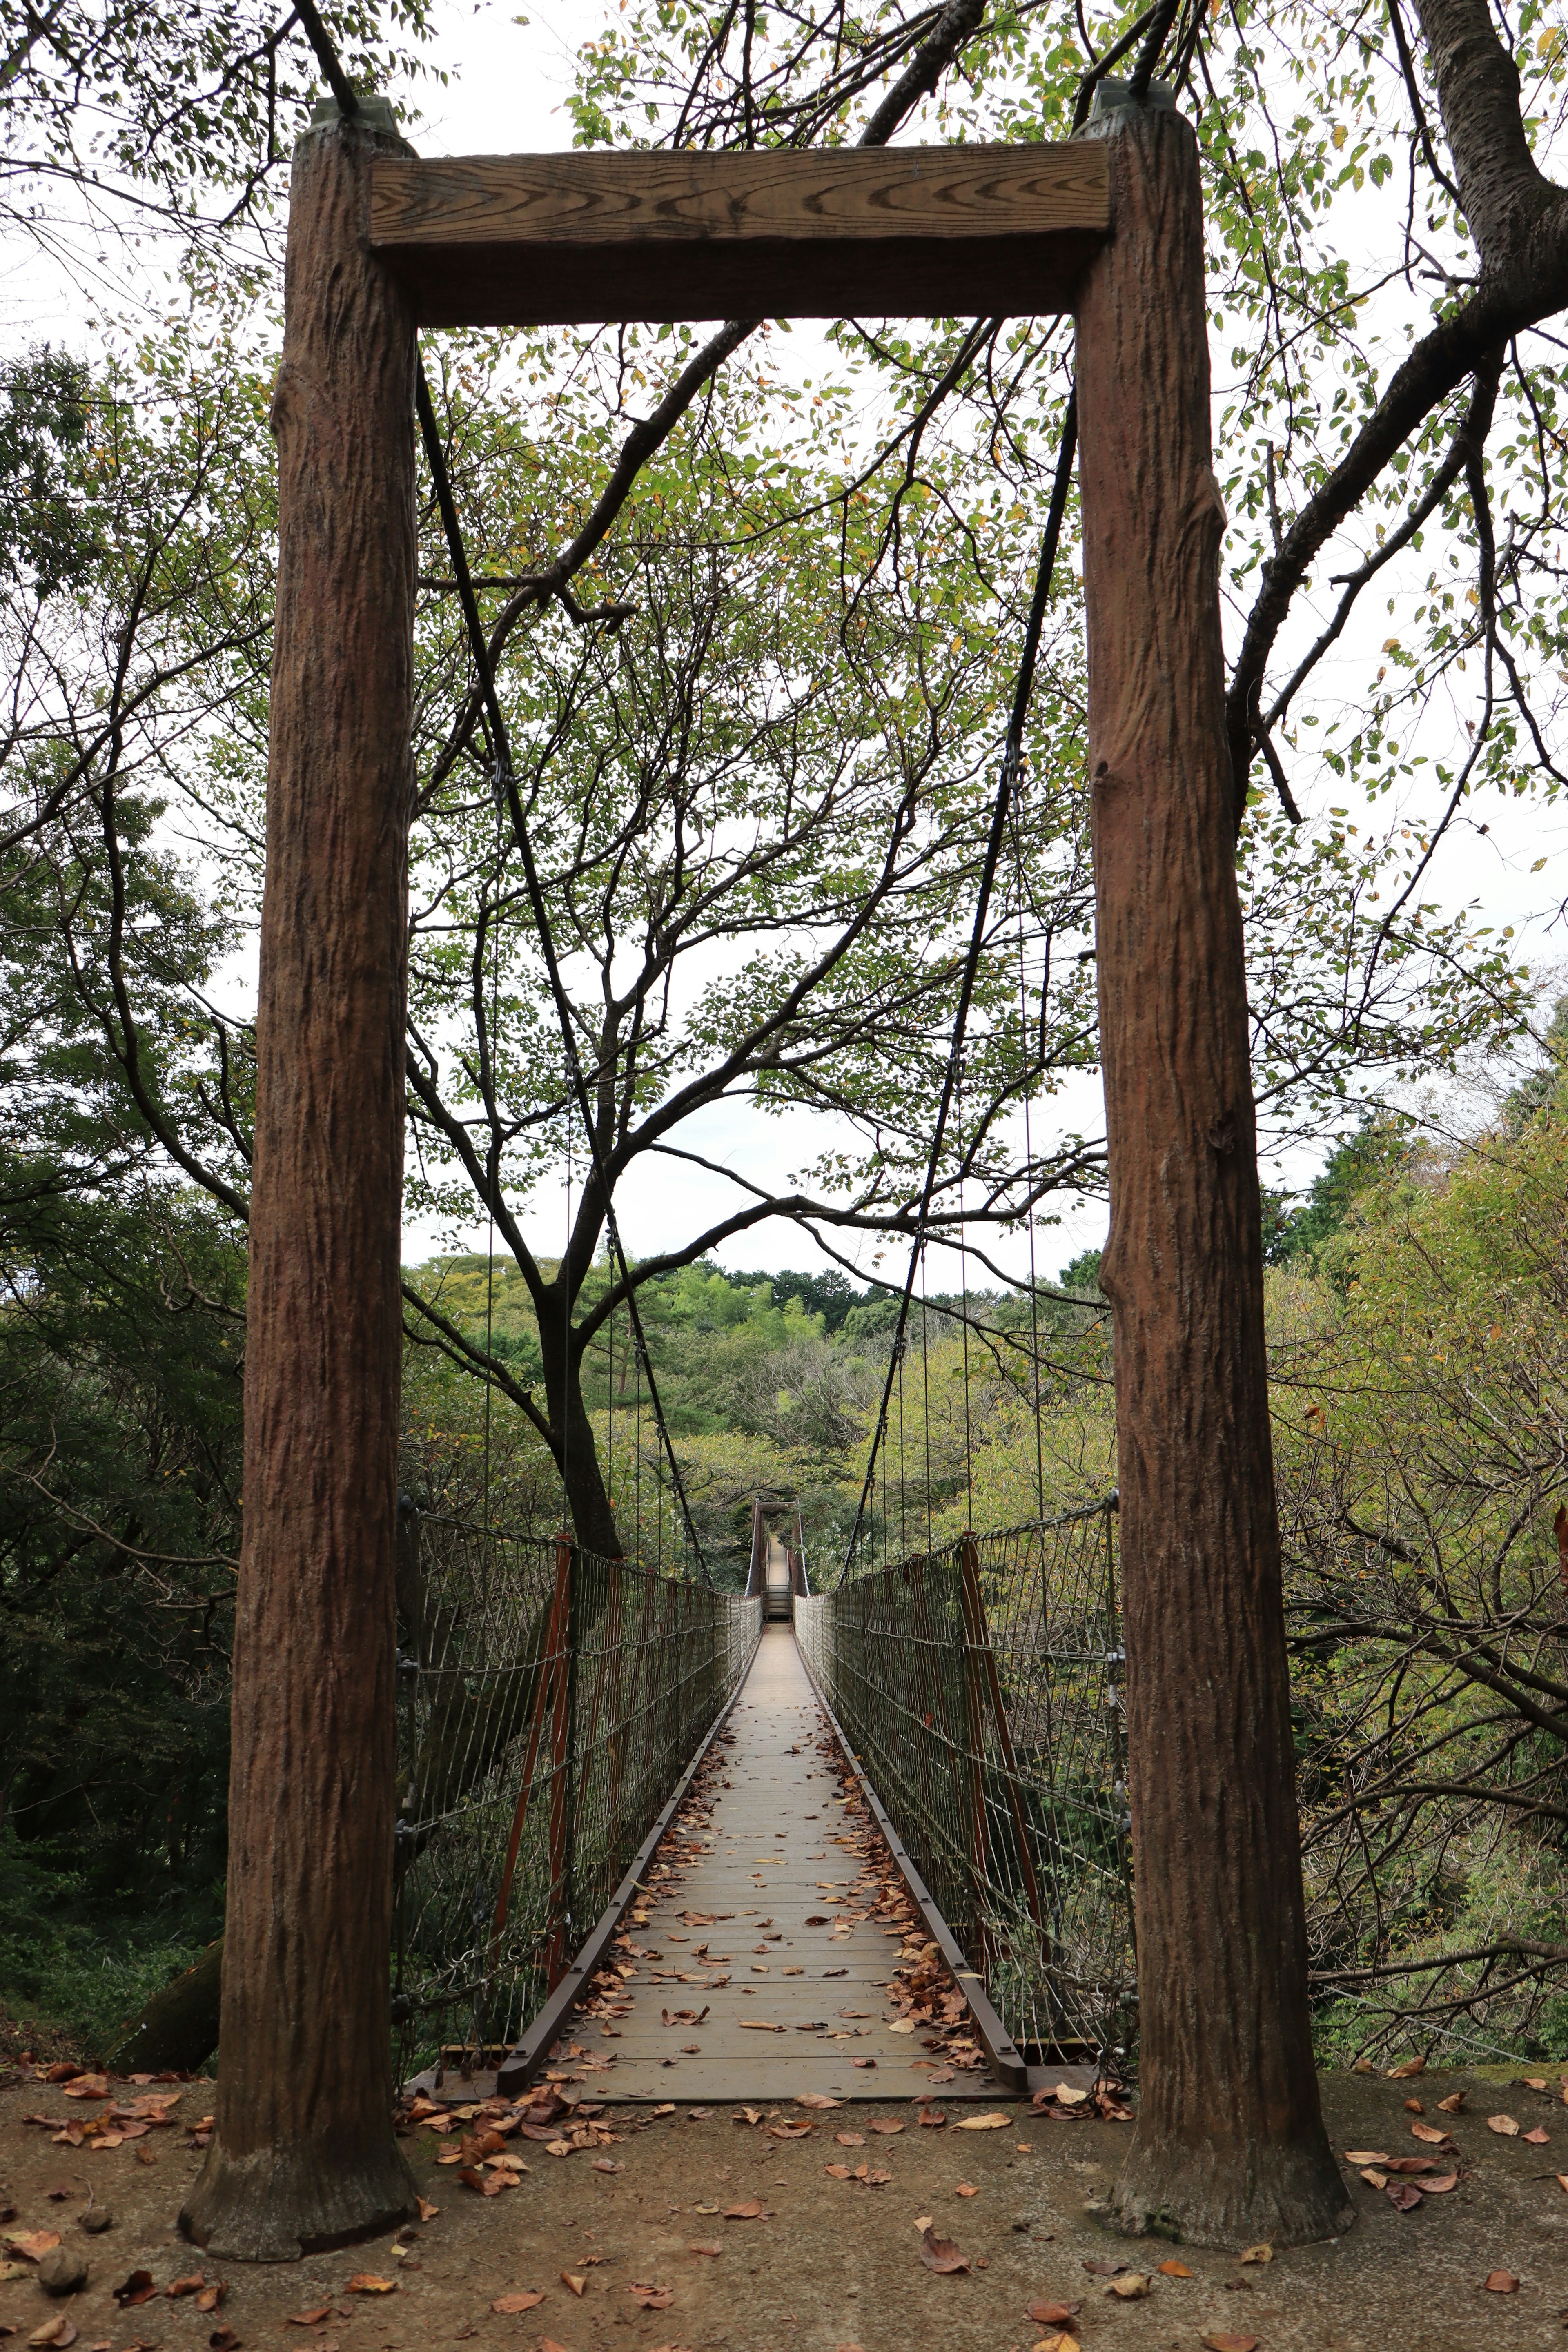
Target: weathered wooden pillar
<point>1229,2145</point>
<point>303,2155</point>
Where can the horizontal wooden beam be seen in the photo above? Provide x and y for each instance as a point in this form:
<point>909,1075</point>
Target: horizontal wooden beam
<point>824,233</point>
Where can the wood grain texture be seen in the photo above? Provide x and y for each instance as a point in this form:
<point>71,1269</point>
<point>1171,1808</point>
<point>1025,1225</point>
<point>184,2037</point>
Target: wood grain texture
<point>303,2155</point>
<point>1229,2146</point>
<point>765,1865</point>
<point>522,240</point>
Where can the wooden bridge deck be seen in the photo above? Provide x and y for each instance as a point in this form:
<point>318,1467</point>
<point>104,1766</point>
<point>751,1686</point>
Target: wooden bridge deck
<point>755,1931</point>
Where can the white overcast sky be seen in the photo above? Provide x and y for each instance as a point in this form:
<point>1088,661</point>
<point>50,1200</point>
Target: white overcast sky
<point>510,81</point>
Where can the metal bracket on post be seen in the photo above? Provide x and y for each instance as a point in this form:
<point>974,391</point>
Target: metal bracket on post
<point>1112,92</point>
<point>370,114</point>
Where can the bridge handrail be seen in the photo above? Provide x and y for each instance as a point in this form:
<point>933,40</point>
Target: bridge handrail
<point>549,1700</point>
<point>981,1686</point>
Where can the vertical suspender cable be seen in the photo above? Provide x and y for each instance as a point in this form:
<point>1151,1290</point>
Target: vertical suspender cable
<point>480,650</point>
<point>1011,759</point>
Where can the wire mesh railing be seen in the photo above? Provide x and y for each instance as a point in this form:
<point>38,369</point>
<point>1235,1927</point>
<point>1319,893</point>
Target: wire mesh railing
<point>549,1701</point>
<point>982,1688</point>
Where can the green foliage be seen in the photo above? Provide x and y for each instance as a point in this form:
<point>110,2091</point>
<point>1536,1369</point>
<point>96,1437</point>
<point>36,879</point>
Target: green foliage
<point>1363,1161</point>
<point>48,533</point>
<point>75,1963</point>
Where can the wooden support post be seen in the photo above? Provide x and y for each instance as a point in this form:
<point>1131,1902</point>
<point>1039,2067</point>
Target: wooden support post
<point>1229,2145</point>
<point>303,2155</point>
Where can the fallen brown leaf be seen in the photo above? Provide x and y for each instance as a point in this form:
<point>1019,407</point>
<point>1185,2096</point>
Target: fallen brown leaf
<point>753,2210</point>
<point>1430,2134</point>
<point>1410,2066</point>
<point>367,2283</point>
<point>57,2331</point>
<point>427,2211</point>
<point>1500,2283</point>
<point>1053,2315</point>
<point>1103,2266</point>
<point>888,2128</point>
<point>1365,2156</point>
<point>652,2298</point>
<point>1374,2178</point>
<point>965,2188</point>
<point>1403,2195</point>
<point>838,2172</point>
<point>137,2288</point>
<point>1408,2164</point>
<point>1132,2288</point>
<point>312,2318</point>
<point>1263,2254</point>
<point>817,2099</point>
<point>192,2285</point>
<point>508,2304</point>
<point>32,2244</point>
<point>1216,2340</point>
<point>1174,2269</point>
<point>223,2339</point>
<point>1453,2104</point>
<point>1537,2138</point>
<point>1438,2187</point>
<point>1505,2124</point>
<point>607,2164</point>
<point>489,2184</point>
<point>577,2282</point>
<point>987,2123</point>
<point>941,2255</point>
<point>700,2248</point>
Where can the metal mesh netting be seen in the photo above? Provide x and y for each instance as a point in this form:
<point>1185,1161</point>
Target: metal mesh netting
<point>549,1701</point>
<point>982,1688</point>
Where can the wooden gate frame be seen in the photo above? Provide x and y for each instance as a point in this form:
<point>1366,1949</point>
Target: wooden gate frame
<point>1108,225</point>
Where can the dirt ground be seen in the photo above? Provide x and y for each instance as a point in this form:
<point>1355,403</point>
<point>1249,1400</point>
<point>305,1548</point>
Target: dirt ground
<point>828,2264</point>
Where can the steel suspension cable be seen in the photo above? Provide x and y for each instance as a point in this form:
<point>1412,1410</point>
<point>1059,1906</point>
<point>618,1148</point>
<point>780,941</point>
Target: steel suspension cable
<point>479,647</point>
<point>347,98</point>
<point>1011,759</point>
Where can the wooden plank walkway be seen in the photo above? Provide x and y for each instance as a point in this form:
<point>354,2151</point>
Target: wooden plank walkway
<point>755,1940</point>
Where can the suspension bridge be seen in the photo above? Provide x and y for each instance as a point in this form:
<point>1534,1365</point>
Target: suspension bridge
<point>658,1841</point>
<point>583,1743</point>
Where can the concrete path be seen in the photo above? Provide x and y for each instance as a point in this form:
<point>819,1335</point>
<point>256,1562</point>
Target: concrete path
<point>756,1941</point>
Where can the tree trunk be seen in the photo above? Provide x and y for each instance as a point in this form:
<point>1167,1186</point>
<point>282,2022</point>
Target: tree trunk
<point>587,1497</point>
<point>178,2027</point>
<point>1229,2145</point>
<point>303,2155</point>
